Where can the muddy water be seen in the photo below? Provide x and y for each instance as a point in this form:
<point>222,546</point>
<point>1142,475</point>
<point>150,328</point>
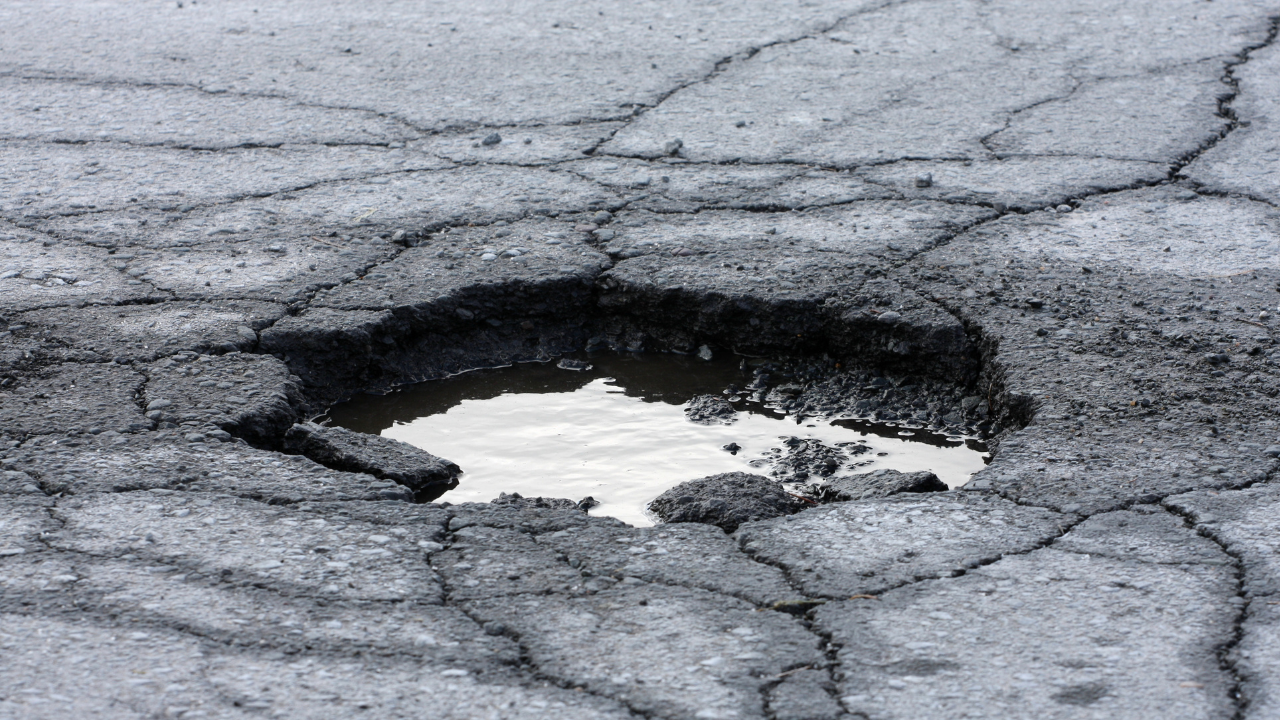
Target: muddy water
<point>618,431</point>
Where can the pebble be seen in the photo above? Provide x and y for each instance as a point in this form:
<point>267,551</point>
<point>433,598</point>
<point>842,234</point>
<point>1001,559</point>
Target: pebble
<point>159,404</point>
<point>1064,208</point>
<point>488,256</point>
<point>492,139</point>
<point>889,317</point>
<point>673,146</point>
<point>924,180</point>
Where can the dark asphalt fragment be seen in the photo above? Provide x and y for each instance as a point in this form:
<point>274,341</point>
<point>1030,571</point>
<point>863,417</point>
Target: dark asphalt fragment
<point>878,484</point>
<point>343,449</point>
<point>726,501</point>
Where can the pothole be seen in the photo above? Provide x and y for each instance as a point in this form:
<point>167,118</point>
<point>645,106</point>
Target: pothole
<point>624,428</point>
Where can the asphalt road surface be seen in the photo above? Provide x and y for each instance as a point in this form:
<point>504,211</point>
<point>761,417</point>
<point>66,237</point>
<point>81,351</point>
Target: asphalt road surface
<point>218,217</point>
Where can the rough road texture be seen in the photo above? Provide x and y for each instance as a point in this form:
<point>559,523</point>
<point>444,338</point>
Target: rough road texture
<point>216,218</point>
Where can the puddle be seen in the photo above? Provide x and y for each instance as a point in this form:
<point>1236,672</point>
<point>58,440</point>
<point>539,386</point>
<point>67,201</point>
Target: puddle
<point>618,432</point>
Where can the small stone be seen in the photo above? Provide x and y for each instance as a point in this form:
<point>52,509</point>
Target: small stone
<point>1036,303</point>
<point>889,317</point>
<point>9,552</point>
<point>924,180</point>
<point>605,235</point>
<point>1272,451</point>
<point>732,448</point>
<point>575,365</point>
<point>488,256</point>
<point>1064,208</point>
<point>672,147</point>
<point>159,404</point>
<point>379,539</point>
<point>492,139</point>
<point>704,353</point>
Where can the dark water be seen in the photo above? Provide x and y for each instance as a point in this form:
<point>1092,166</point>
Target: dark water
<point>618,432</point>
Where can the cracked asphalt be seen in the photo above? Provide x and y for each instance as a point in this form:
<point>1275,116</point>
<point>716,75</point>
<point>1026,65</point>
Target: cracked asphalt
<point>218,217</point>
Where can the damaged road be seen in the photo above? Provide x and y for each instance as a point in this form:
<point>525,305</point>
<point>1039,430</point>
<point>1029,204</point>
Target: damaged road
<point>218,219</point>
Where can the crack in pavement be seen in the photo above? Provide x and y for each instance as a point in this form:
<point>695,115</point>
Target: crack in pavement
<point>1227,650</point>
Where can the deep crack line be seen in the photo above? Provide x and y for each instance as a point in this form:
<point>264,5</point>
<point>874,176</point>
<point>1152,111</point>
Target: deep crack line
<point>1225,109</point>
<point>1227,658</point>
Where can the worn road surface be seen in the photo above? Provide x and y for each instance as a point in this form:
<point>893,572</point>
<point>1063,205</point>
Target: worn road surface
<point>218,217</point>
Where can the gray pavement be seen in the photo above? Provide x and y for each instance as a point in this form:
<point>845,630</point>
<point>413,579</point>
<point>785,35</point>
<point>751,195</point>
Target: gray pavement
<point>217,218</point>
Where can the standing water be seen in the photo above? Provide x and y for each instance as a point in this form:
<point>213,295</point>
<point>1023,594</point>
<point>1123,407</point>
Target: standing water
<point>618,431</point>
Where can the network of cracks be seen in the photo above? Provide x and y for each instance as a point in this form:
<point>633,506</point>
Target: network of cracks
<point>1091,551</point>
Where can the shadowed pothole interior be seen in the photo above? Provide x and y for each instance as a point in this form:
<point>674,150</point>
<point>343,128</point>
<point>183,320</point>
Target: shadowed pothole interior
<point>622,428</point>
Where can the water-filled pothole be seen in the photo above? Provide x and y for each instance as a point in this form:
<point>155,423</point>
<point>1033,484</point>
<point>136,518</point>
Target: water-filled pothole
<point>621,431</point>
